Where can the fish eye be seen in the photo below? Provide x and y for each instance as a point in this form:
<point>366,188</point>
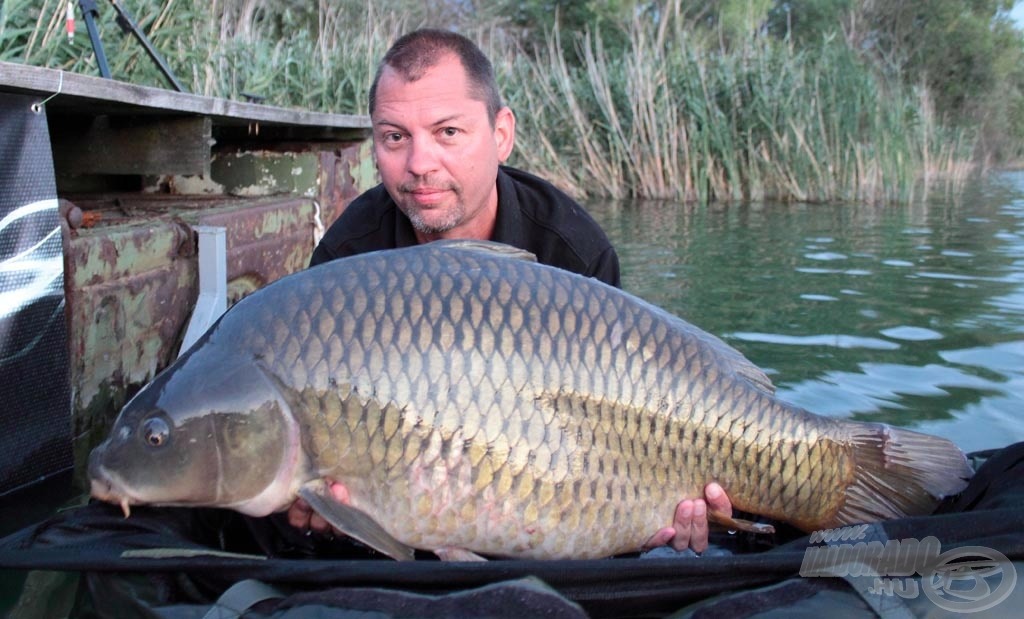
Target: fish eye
<point>155,432</point>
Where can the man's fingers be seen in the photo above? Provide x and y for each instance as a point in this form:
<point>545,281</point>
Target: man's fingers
<point>699,527</point>
<point>660,538</point>
<point>683,522</point>
<point>318,525</point>
<point>298,514</point>
<point>717,500</point>
<point>340,493</point>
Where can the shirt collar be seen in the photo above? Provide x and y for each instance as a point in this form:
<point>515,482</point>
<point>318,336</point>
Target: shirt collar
<point>508,226</point>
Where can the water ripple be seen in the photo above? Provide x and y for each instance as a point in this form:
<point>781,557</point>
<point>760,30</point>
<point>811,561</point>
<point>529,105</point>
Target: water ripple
<point>1007,357</point>
<point>825,255</point>
<point>911,334</point>
<point>832,340</point>
<point>877,386</point>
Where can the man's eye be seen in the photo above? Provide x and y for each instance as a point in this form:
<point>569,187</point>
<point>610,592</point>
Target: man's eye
<point>449,132</point>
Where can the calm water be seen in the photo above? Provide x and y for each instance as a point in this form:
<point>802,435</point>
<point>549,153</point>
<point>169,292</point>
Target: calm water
<point>908,315</point>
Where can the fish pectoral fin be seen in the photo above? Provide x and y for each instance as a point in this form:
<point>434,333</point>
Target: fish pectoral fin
<point>450,553</point>
<point>355,523</point>
<point>738,524</point>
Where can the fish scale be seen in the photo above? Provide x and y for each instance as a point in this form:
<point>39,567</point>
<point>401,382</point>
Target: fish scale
<point>472,400</point>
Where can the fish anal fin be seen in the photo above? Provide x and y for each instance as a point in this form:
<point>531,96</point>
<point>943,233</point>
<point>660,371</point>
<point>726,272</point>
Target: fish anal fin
<point>738,524</point>
<point>354,522</point>
<point>899,473</point>
<point>450,553</point>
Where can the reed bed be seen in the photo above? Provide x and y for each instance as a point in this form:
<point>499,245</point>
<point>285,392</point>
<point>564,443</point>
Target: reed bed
<point>670,119</point>
<point>669,116</point>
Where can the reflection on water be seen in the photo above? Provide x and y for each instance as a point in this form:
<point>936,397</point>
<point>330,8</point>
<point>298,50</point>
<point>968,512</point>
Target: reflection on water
<point>912,315</point>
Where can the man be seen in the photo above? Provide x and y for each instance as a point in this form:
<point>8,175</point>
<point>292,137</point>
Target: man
<point>440,138</point>
<point>440,134</point>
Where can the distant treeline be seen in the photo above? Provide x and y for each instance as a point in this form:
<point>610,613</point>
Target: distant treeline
<point>808,100</point>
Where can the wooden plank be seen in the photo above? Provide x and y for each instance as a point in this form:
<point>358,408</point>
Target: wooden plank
<point>151,145</point>
<point>84,93</point>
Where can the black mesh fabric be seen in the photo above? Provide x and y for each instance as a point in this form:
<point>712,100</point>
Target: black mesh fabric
<point>34,381</point>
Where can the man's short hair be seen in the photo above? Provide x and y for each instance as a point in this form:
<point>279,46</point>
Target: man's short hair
<point>417,51</point>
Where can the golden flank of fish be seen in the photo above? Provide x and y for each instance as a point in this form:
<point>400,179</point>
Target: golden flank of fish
<point>473,401</point>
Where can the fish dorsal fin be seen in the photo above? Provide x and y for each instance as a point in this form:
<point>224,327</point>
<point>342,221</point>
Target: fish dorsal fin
<point>757,376</point>
<point>491,248</point>
<point>746,368</point>
<point>733,359</point>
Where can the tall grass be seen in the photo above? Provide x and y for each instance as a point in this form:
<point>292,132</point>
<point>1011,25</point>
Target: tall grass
<point>221,48</point>
<point>670,119</point>
<point>668,116</point>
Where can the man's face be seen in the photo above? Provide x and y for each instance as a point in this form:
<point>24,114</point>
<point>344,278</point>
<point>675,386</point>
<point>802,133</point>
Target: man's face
<point>437,152</point>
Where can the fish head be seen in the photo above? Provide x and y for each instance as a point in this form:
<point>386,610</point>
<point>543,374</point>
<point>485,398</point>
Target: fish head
<point>212,430</point>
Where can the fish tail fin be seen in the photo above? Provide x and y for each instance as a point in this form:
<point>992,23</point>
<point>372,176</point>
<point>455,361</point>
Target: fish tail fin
<point>900,473</point>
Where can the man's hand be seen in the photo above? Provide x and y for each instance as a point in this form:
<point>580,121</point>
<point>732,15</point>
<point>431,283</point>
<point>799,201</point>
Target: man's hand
<point>301,515</point>
<point>690,526</point>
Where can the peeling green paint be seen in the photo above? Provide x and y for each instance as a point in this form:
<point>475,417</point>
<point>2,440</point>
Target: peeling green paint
<point>266,173</point>
<point>364,173</point>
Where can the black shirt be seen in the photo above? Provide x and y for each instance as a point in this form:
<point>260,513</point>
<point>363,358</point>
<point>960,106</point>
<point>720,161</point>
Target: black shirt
<point>532,215</point>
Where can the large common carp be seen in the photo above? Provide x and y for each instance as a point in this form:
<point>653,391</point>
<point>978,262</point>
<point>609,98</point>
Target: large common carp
<point>473,400</point>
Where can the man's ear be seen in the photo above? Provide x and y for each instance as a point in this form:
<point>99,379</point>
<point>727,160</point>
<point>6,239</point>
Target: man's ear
<point>504,133</point>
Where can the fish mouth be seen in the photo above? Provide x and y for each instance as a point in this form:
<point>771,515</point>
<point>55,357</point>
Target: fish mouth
<point>104,488</point>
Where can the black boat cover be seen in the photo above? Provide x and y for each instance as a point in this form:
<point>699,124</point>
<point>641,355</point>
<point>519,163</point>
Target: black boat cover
<point>181,563</point>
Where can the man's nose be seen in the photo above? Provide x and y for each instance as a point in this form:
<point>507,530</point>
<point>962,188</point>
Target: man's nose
<point>424,156</point>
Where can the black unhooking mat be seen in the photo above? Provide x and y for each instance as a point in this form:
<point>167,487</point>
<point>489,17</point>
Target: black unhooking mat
<point>178,563</point>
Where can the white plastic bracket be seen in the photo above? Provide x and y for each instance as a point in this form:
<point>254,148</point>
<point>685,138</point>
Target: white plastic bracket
<point>213,283</point>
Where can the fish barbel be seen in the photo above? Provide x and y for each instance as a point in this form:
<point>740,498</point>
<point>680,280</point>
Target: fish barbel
<point>474,401</point>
